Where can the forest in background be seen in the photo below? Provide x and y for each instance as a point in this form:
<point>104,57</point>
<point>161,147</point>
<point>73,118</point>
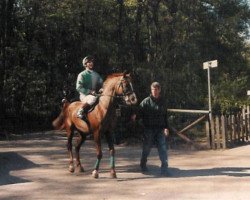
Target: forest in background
<point>42,44</point>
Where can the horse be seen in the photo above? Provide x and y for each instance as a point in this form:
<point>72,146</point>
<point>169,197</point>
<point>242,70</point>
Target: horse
<point>116,86</point>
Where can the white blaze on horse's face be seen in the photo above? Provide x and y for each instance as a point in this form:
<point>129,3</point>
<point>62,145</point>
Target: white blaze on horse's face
<point>126,90</point>
<point>131,98</point>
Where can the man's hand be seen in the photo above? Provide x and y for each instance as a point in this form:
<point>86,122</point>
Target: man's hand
<point>166,132</point>
<point>133,117</point>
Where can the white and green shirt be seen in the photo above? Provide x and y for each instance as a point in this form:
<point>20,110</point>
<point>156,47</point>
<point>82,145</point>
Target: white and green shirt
<point>87,81</point>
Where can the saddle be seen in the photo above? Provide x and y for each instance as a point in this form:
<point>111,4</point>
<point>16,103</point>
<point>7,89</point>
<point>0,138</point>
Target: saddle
<point>89,109</point>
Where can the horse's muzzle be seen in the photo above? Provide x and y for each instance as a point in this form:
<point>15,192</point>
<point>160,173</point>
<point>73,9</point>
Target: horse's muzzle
<point>131,99</point>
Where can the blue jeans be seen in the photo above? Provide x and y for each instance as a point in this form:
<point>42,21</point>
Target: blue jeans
<point>154,136</point>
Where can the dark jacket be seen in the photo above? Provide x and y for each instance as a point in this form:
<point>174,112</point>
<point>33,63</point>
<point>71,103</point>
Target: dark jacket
<point>153,113</point>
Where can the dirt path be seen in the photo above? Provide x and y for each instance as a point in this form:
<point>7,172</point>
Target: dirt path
<point>36,168</point>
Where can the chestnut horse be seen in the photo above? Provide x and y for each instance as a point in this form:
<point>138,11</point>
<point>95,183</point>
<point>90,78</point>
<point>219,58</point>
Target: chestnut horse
<point>100,120</point>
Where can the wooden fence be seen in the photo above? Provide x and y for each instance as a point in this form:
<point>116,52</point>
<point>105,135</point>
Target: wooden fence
<point>229,131</point>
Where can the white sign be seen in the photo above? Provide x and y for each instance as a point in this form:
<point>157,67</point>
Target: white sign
<point>248,92</point>
<point>212,63</point>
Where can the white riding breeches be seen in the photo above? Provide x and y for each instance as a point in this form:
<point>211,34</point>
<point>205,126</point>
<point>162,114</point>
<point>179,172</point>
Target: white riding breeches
<point>89,99</point>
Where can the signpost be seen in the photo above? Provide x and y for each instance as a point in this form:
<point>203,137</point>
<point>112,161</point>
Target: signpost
<point>207,65</point>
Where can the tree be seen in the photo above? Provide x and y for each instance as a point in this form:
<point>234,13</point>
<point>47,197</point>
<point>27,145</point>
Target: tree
<point>42,44</point>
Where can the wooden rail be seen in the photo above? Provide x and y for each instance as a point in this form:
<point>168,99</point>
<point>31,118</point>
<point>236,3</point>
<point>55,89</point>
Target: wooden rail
<point>180,133</point>
<point>189,111</point>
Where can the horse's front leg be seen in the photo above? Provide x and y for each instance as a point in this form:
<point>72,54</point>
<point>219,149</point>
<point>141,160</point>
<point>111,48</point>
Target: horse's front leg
<point>81,138</point>
<point>69,147</point>
<point>97,139</point>
<point>112,154</point>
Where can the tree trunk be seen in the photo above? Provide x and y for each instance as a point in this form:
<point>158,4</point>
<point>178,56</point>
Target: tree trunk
<point>138,44</point>
<point>3,13</point>
<point>120,35</point>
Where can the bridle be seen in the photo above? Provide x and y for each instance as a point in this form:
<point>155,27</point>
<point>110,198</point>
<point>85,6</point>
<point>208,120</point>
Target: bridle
<point>125,91</point>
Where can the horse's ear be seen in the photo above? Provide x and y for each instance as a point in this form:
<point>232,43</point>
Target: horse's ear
<point>126,73</point>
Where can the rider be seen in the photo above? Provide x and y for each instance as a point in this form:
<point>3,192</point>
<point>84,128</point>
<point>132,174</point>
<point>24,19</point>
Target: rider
<point>87,84</point>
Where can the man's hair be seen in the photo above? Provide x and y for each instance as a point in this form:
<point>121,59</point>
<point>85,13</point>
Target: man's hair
<point>87,59</point>
<point>156,85</point>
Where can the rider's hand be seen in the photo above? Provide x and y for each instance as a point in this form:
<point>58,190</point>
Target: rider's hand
<point>92,92</point>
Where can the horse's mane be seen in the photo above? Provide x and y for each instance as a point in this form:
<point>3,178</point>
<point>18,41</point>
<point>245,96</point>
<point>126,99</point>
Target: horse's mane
<point>111,76</point>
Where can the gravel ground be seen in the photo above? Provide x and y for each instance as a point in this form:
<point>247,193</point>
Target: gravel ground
<point>35,167</point>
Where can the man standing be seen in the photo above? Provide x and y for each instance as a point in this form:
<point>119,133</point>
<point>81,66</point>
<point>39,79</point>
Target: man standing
<point>88,84</point>
<point>154,118</point>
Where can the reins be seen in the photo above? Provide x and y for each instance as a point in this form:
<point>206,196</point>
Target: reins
<point>124,93</point>
<point>105,95</point>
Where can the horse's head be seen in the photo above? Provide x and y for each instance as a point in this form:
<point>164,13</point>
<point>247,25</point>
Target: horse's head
<point>124,89</point>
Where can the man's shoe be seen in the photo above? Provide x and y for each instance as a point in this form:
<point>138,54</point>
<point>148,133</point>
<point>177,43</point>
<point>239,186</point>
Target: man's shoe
<point>80,113</point>
<point>143,168</point>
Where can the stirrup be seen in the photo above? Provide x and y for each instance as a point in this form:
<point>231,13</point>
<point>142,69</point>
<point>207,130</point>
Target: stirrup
<point>80,113</point>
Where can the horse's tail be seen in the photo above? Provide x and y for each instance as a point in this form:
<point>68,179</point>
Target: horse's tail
<point>58,123</point>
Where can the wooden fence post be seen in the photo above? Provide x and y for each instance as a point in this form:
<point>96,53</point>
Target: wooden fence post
<point>224,132</point>
<point>247,122</point>
<point>212,133</point>
<point>242,128</point>
<point>244,123</point>
<point>229,130</point>
<point>217,129</point>
<point>233,129</point>
<point>238,135</point>
<point>208,135</point>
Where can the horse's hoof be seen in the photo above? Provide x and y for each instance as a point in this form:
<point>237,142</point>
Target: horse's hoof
<point>71,168</point>
<point>95,174</point>
<point>79,169</point>
<point>113,175</point>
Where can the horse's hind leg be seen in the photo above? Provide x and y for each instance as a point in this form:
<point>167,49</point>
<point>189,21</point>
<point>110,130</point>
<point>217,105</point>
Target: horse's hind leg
<point>97,139</point>
<point>70,134</point>
<point>112,153</point>
<point>80,139</point>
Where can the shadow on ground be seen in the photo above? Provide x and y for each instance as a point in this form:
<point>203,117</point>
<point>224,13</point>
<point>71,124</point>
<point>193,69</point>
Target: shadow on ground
<point>223,171</point>
<point>154,172</point>
<point>11,161</point>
